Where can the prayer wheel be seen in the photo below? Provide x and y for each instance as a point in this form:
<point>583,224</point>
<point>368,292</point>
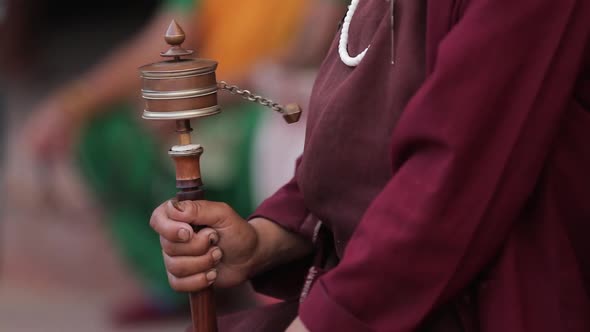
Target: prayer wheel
<point>182,89</point>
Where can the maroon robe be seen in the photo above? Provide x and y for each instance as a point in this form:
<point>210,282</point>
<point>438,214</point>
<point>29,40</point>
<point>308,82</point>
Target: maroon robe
<point>484,206</point>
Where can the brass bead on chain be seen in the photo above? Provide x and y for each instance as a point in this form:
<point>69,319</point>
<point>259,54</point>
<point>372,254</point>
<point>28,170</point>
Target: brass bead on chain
<point>291,113</point>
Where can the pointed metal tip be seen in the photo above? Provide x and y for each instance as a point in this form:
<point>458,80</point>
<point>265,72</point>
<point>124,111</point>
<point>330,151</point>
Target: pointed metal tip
<point>174,26</point>
<point>174,34</point>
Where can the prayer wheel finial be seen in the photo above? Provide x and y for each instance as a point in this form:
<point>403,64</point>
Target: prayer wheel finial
<point>175,37</point>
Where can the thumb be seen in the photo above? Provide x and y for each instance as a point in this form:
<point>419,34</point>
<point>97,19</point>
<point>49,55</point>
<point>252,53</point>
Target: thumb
<point>200,213</point>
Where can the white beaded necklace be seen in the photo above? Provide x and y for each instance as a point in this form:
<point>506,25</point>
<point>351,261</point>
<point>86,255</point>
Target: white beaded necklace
<point>343,43</point>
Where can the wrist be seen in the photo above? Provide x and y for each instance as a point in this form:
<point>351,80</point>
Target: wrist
<point>260,252</point>
<point>275,246</point>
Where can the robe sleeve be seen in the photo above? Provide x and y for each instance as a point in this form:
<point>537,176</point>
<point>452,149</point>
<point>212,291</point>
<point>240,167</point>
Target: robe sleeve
<point>467,153</point>
<point>287,209</point>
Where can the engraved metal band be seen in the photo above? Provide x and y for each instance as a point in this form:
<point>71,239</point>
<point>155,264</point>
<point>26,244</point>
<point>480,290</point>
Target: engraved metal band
<point>155,75</point>
<point>192,152</point>
<point>180,115</point>
<point>179,94</point>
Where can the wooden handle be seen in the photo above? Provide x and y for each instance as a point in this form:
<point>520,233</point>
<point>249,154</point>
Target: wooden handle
<point>188,181</point>
<point>203,310</point>
<point>203,313</point>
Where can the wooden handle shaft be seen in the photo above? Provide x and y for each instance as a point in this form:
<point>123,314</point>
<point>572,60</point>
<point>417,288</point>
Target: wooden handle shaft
<point>188,181</point>
<point>203,310</point>
<point>202,303</point>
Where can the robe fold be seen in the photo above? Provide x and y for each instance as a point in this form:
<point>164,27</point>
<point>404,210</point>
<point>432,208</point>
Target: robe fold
<point>456,178</point>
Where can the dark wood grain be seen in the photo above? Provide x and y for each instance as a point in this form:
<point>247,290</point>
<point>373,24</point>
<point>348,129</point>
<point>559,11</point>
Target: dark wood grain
<point>203,313</point>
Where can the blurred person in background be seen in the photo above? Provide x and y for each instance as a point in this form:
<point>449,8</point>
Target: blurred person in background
<point>121,159</point>
<point>61,132</point>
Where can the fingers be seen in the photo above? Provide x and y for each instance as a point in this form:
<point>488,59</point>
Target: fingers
<point>171,230</point>
<point>192,283</point>
<point>198,244</point>
<point>190,257</point>
<point>185,266</point>
<point>205,213</point>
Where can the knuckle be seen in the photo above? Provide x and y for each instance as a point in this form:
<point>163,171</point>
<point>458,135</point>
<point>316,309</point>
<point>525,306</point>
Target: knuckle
<point>176,269</point>
<point>192,208</point>
<point>200,246</point>
<point>204,233</point>
<point>155,218</point>
<point>168,247</point>
<point>178,285</point>
<point>174,282</point>
<point>223,207</point>
<point>187,285</point>
<point>153,221</point>
<point>200,281</point>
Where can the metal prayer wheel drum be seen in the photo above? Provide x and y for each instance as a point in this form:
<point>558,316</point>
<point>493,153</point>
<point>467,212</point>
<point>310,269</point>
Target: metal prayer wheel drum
<point>179,88</point>
<point>182,89</point>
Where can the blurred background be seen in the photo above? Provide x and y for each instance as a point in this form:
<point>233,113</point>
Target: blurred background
<point>80,172</point>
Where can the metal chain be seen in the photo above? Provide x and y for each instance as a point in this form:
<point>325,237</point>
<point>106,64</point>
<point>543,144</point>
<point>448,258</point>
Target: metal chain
<point>246,94</point>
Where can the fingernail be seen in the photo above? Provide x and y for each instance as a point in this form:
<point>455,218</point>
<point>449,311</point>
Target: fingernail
<point>216,254</point>
<point>177,205</point>
<point>211,275</point>
<point>184,234</point>
<point>213,238</point>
